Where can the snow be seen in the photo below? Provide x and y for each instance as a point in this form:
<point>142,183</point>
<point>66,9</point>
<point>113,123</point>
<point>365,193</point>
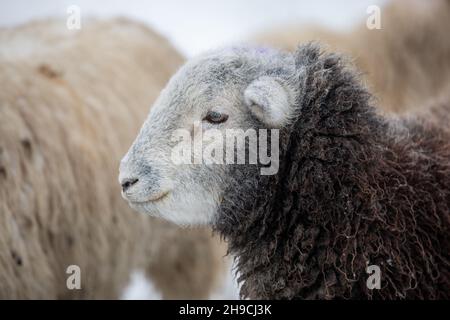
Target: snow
<point>140,288</point>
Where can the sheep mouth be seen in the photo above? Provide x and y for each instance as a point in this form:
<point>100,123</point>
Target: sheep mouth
<point>155,198</point>
<point>159,197</point>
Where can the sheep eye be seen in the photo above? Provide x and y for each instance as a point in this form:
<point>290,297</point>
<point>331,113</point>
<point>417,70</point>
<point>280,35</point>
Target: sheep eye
<point>216,117</point>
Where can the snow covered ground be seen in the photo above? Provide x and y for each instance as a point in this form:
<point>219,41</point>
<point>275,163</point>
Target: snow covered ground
<point>142,288</point>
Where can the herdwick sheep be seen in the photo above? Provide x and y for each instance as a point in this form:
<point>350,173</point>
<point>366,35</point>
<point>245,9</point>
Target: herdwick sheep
<point>406,62</point>
<point>70,104</point>
<point>353,189</point>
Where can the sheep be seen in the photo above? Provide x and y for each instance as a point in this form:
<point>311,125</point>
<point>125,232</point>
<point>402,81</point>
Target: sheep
<point>70,103</point>
<point>406,62</point>
<point>354,188</point>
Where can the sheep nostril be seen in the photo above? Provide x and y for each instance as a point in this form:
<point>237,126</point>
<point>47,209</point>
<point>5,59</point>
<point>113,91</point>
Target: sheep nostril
<point>127,183</point>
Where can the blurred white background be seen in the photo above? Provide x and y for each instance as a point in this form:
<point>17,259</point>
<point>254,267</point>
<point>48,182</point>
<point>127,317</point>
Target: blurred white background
<point>197,25</point>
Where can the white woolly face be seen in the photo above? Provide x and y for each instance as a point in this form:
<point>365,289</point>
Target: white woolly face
<point>164,188</point>
<point>211,94</point>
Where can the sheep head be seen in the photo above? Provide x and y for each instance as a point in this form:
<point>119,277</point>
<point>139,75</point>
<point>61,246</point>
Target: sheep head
<point>223,95</point>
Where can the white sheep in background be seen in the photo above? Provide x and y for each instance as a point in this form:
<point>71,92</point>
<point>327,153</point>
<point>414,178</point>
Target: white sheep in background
<point>70,103</point>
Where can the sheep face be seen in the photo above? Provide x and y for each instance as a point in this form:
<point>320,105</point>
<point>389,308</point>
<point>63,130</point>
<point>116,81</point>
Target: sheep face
<point>165,172</point>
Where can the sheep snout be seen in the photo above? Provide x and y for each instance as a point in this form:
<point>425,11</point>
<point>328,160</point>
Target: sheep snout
<point>127,183</point>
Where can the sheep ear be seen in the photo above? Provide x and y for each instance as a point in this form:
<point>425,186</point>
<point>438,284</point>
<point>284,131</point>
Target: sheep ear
<point>269,101</point>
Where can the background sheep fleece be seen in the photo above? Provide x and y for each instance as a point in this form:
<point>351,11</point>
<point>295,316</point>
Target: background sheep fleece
<point>354,189</point>
<point>406,63</point>
<point>70,104</point>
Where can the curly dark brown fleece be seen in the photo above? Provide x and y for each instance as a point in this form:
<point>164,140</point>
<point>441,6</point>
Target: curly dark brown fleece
<point>354,189</point>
